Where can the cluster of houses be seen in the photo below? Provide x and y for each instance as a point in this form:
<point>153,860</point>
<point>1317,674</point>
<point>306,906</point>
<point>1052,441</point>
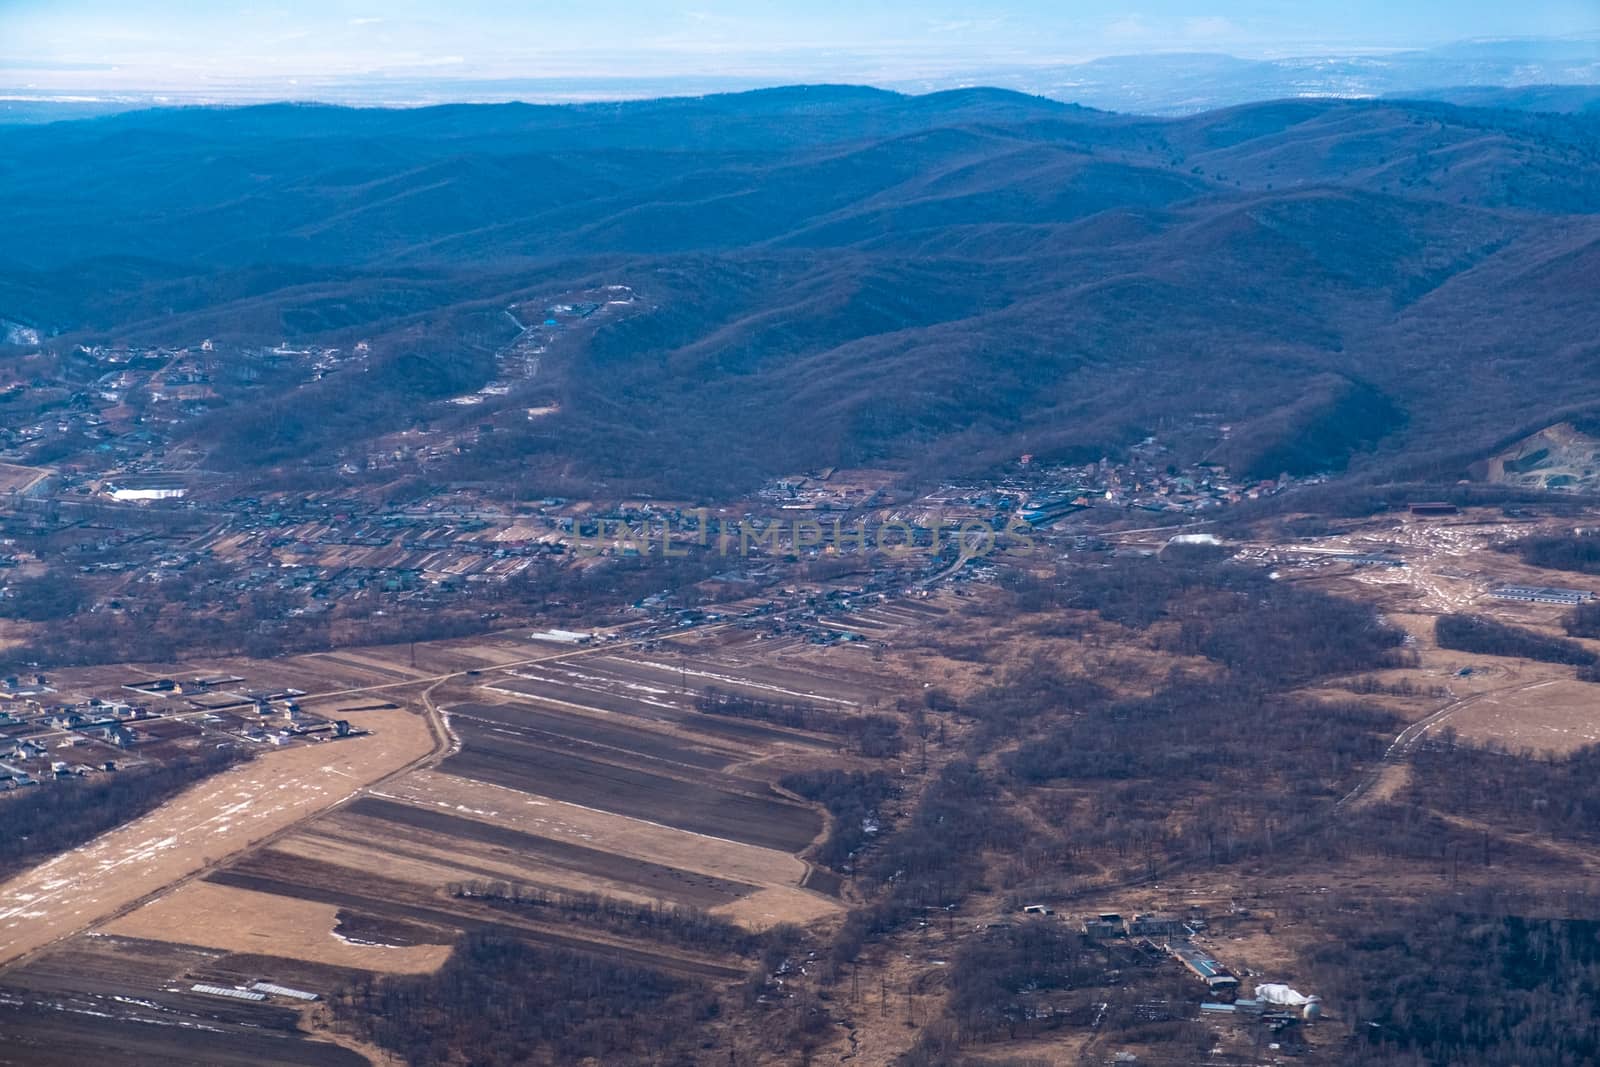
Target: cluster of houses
<point>28,723</point>
<point>43,739</point>
<point>1174,937</point>
<point>120,401</point>
<point>1277,1007</point>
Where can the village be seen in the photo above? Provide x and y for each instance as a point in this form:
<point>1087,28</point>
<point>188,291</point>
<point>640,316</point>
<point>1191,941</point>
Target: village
<point>96,726</point>
<point>105,493</point>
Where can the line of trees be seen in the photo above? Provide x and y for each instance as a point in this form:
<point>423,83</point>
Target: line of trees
<point>1485,636</point>
<point>499,1001</point>
<point>1574,552</point>
<point>1482,979</point>
<point>1583,620</point>
<point>677,924</point>
<point>869,734</point>
<point>936,857</point>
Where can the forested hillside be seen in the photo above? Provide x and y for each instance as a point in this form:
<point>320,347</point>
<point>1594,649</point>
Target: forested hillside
<point>844,276</point>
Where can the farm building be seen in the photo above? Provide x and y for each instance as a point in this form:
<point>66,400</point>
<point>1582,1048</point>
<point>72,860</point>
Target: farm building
<point>1542,594</point>
<point>1155,926</point>
<point>1106,924</point>
<point>146,487</point>
<point>282,991</point>
<point>564,637</point>
<point>225,991</point>
<point>1202,966</point>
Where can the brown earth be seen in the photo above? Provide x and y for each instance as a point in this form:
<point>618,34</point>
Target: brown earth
<point>199,827</point>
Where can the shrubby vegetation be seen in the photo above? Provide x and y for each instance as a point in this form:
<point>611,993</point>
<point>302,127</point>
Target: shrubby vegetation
<point>1206,731</point>
<point>1577,552</point>
<point>1552,796</point>
<point>499,1000</point>
<point>936,857</point>
<point>852,798</point>
<point>1021,982</point>
<point>45,598</point>
<point>659,922</point>
<point>1583,620</point>
<point>1201,772</point>
<point>1000,980</point>
<point>870,734</point>
<point>1269,632</point>
<point>1478,981</point>
<point>1485,636</point>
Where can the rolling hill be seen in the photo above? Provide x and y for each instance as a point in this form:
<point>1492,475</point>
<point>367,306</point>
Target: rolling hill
<point>833,275</point>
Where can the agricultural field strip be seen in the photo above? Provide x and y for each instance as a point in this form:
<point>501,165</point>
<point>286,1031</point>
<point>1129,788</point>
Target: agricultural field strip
<point>440,830</point>
<point>28,905</point>
<point>591,684</point>
<point>211,819</point>
<point>777,668</point>
<point>742,731</point>
<point>488,738</point>
<point>387,899</point>
<point>70,1037</point>
<point>726,811</point>
<point>641,675</point>
<point>614,835</point>
<point>370,664</point>
<point>25,904</point>
<point>525,721</point>
<point>737,682</point>
<point>426,863</point>
<point>110,963</point>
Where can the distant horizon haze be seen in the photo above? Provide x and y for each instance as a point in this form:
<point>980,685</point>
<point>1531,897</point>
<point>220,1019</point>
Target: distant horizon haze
<point>411,52</point>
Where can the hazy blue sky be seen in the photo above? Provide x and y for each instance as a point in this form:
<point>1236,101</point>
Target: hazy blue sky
<point>153,44</point>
